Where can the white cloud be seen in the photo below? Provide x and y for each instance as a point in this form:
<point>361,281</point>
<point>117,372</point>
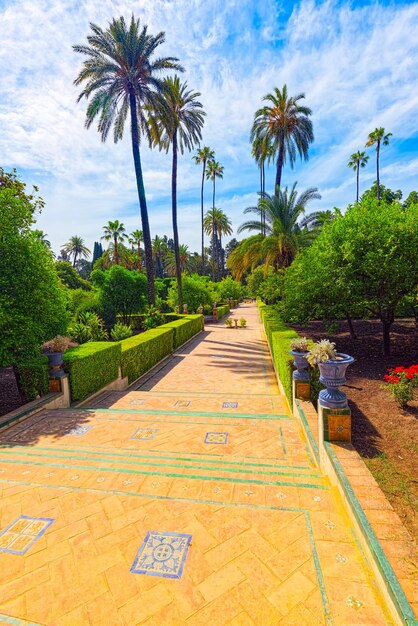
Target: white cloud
<point>357,66</point>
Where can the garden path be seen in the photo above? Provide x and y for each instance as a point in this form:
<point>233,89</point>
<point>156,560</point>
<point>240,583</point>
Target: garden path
<point>201,460</point>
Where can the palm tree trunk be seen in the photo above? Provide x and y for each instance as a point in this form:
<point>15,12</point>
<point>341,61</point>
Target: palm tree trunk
<point>116,256</point>
<point>213,231</point>
<point>279,168</point>
<point>263,190</point>
<point>377,171</point>
<point>221,271</point>
<point>261,195</point>
<point>142,200</point>
<point>202,217</point>
<point>139,254</point>
<point>174,214</point>
<point>358,171</point>
<point>75,258</point>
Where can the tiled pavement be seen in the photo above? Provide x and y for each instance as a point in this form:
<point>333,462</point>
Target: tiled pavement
<point>191,499</point>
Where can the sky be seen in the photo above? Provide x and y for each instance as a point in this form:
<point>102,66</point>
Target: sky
<point>356,62</point>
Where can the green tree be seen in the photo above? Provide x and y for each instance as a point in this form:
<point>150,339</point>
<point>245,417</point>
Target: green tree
<point>122,76</point>
<point>97,252</point>
<point>70,277</point>
<point>177,122</point>
<point>203,156</point>
<point>122,293</point>
<point>75,248</point>
<point>115,232</point>
<point>284,127</point>
<point>135,239</point>
<point>217,224</point>
<point>196,292</point>
<point>184,260</point>
<point>386,194</point>
<point>32,299</point>
<point>214,170</point>
<point>411,199</point>
<point>357,160</point>
<point>379,138</point>
<point>159,254</point>
<point>228,288</point>
<point>262,153</point>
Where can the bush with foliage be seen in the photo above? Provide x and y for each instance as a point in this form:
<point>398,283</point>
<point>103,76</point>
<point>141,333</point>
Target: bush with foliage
<point>32,299</point>
<point>242,322</point>
<point>402,382</point>
<point>70,277</point>
<point>228,288</point>
<point>33,377</point>
<point>268,287</point>
<point>80,300</point>
<point>89,327</point>
<point>120,331</point>
<point>222,310</point>
<point>122,292</point>
<point>197,290</point>
<point>152,318</point>
<point>91,367</point>
<point>228,322</point>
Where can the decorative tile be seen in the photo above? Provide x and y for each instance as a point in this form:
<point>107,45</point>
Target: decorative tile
<point>340,558</point>
<point>144,433</point>
<point>230,405</point>
<point>79,430</point>
<point>354,603</point>
<point>162,554</point>
<point>21,534</point>
<point>216,438</point>
<point>182,403</point>
<point>281,495</point>
<point>330,524</point>
<point>136,402</point>
<point>248,492</point>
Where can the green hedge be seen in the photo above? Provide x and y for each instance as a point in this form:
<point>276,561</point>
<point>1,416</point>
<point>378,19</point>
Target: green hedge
<point>223,309</point>
<point>34,378</point>
<point>91,367</point>
<point>142,352</point>
<point>279,337</point>
<point>185,328</point>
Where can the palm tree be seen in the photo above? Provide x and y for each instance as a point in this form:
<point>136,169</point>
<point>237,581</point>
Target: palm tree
<point>185,261</point>
<point>122,76</point>
<point>285,127</point>
<point>217,224</point>
<point>204,155</point>
<point>214,170</point>
<point>357,160</point>
<point>177,122</point>
<point>75,247</point>
<point>261,152</point>
<point>135,239</point>
<point>286,232</point>
<point>159,253</point>
<point>114,231</point>
<point>379,138</point>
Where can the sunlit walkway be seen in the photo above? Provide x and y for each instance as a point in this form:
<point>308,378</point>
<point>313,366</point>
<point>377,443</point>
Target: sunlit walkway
<point>192,498</point>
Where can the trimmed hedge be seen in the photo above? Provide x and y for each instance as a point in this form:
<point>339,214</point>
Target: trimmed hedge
<point>223,309</point>
<point>91,367</point>
<point>185,328</point>
<point>279,337</point>
<point>142,352</point>
<point>33,378</point>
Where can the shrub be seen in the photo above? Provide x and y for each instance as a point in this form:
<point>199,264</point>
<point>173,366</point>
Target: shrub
<point>91,367</point>
<point>120,331</point>
<point>80,300</point>
<point>243,322</point>
<point>401,382</point>
<point>142,352</point>
<point>80,333</point>
<point>122,292</point>
<point>222,310</point>
<point>70,277</point>
<point>228,322</point>
<point>228,288</point>
<point>153,318</point>
<point>33,378</point>
<point>95,324</point>
<point>185,328</point>
<point>196,292</point>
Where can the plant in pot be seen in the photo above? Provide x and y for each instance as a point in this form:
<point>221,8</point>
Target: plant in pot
<point>332,366</point>
<point>299,349</point>
<point>54,350</point>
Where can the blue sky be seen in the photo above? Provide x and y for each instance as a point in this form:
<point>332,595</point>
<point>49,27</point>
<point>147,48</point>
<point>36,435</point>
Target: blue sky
<point>356,62</point>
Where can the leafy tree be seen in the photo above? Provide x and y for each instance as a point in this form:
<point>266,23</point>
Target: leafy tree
<point>230,246</point>
<point>284,127</point>
<point>203,156</point>
<point>114,231</point>
<point>411,199</point>
<point>357,160</point>
<point>379,138</point>
<point>135,239</point>
<point>43,239</point>
<point>184,261</point>
<point>267,286</point>
<point>32,299</point>
<point>228,288</point>
<point>177,122</point>
<point>160,250</point>
<point>84,268</point>
<point>214,170</point>
<point>70,277</point>
<point>386,194</point>
<point>121,292</point>
<point>75,247</point>
<point>122,77</point>
<point>97,252</point>
<point>217,224</point>
<point>196,291</point>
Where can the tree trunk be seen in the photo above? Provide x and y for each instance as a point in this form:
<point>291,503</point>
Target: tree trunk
<point>75,258</point>
<point>358,170</point>
<point>116,255</point>
<point>387,319</point>
<point>221,272</point>
<point>377,171</point>
<point>203,217</point>
<point>279,168</point>
<point>263,191</point>
<point>174,214</point>
<point>214,251</point>
<point>139,254</point>
<point>261,195</point>
<point>350,325</point>
<point>18,378</point>
<point>142,200</point>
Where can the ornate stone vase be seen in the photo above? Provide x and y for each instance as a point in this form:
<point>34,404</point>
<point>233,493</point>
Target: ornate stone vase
<point>55,365</point>
<point>332,375</point>
<point>301,363</point>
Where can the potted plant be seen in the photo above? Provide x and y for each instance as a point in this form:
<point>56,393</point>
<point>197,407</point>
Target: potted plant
<point>54,350</point>
<point>299,349</point>
<point>332,366</point>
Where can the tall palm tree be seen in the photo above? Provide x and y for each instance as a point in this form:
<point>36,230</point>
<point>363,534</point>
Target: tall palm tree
<point>185,260</point>
<point>159,253</point>
<point>204,155</point>
<point>121,76</point>
<point>114,231</point>
<point>285,127</point>
<point>214,170</point>
<point>357,160</point>
<point>135,239</point>
<point>75,247</point>
<point>286,231</point>
<point>177,122</point>
<point>217,224</point>
<point>378,137</point>
<point>261,151</point>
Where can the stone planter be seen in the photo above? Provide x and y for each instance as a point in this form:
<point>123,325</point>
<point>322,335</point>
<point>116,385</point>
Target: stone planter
<point>332,375</point>
<point>301,363</point>
<point>55,365</point>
